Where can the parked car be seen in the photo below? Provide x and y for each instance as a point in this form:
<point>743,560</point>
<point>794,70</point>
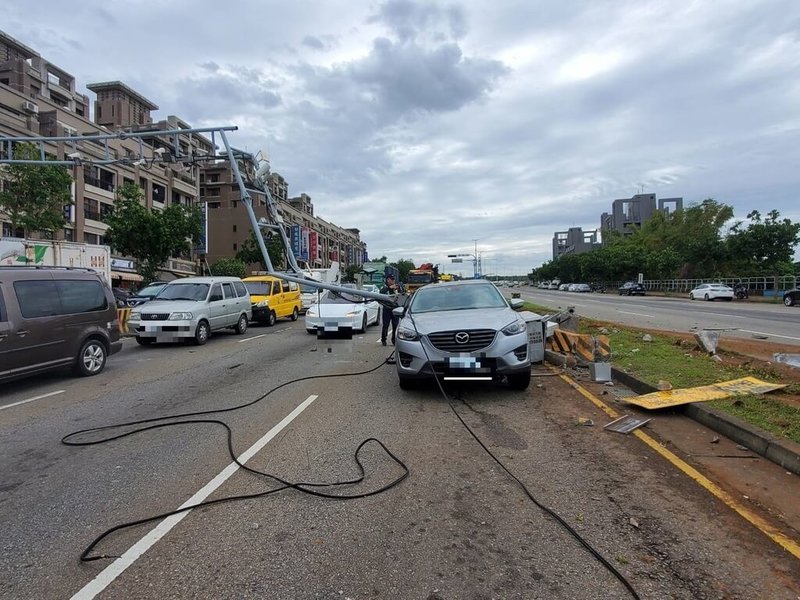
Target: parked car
<point>336,312</point>
<point>120,297</point>
<point>581,287</point>
<point>463,330</point>
<point>632,288</point>
<point>564,287</point>
<point>791,297</point>
<point>711,291</point>
<point>146,294</point>
<point>190,309</point>
<point>273,298</point>
<point>56,317</point>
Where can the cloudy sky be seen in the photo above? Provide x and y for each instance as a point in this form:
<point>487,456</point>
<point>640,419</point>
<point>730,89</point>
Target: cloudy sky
<point>429,125</point>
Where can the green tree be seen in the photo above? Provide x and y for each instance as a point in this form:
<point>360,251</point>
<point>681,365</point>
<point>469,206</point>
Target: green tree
<point>764,246</point>
<point>151,237</point>
<point>350,273</point>
<point>250,253</point>
<point>230,267</point>
<point>35,195</point>
<point>404,265</point>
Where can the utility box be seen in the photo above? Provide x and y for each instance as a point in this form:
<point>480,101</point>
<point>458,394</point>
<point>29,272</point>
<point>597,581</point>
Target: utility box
<point>536,337</point>
<point>600,371</point>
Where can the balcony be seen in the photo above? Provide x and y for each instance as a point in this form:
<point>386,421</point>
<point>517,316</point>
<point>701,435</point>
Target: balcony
<point>105,185</point>
<point>93,215</point>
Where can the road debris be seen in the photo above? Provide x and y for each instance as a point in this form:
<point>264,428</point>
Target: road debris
<point>626,424</point>
<point>793,360</point>
<point>725,389</point>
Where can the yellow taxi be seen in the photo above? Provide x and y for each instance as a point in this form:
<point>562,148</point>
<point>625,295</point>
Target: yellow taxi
<point>273,298</point>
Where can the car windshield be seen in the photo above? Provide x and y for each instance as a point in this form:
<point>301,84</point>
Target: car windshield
<point>151,290</point>
<point>340,298</point>
<point>308,289</point>
<point>258,288</point>
<point>456,297</point>
<point>184,291</point>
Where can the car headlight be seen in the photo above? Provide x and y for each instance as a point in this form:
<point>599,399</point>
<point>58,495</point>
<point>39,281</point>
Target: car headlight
<point>514,328</point>
<point>352,313</point>
<point>312,312</point>
<point>262,304</point>
<point>407,334</point>
<point>180,316</point>
<point>135,316</point>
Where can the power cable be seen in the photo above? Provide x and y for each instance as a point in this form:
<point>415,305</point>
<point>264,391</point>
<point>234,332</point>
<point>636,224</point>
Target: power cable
<point>304,487</point>
<point>524,488</point>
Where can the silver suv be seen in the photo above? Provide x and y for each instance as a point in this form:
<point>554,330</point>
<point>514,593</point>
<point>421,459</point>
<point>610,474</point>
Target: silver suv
<point>462,330</point>
<point>190,309</point>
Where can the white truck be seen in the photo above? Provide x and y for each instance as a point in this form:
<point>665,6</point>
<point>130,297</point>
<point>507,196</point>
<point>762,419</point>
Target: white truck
<point>51,253</point>
<point>308,294</point>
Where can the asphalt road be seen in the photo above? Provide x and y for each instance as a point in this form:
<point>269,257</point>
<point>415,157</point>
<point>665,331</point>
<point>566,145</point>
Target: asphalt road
<point>457,527</point>
<point>774,322</point>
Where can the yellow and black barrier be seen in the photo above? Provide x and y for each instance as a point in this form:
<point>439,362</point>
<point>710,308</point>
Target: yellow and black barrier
<point>123,314</point>
<point>584,347</point>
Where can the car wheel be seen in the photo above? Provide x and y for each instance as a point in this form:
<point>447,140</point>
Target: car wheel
<point>691,296</point>
<point>788,300</point>
<point>144,341</point>
<point>706,298</point>
<point>295,314</point>
<point>519,381</point>
<point>91,358</point>
<point>406,382</point>
<point>363,324</point>
<point>271,318</point>
<point>241,325</point>
<point>201,333</point>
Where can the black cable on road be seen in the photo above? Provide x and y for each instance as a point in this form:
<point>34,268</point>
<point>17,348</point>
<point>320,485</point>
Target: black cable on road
<point>305,487</point>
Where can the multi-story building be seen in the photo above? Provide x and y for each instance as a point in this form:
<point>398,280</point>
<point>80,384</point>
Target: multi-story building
<point>39,99</point>
<point>630,213</point>
<point>574,241</point>
<point>315,241</point>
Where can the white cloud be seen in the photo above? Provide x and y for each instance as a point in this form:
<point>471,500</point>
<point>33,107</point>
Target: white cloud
<point>429,124</point>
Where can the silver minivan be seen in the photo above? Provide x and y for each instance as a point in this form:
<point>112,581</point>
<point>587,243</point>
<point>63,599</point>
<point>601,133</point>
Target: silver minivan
<point>190,309</point>
<point>55,317</point>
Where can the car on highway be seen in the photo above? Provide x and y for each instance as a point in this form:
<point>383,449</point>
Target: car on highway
<point>580,288</point>
<point>791,297</point>
<point>145,294</point>
<point>190,309</point>
<point>273,298</point>
<point>53,318</point>
<point>711,291</point>
<point>462,330</point>
<point>340,312</point>
<point>632,288</point>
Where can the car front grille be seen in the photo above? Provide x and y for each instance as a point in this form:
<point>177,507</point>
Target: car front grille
<point>446,340</point>
<point>155,317</point>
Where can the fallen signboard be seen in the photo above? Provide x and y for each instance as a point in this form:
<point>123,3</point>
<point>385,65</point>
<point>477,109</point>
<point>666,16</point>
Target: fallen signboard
<point>715,391</point>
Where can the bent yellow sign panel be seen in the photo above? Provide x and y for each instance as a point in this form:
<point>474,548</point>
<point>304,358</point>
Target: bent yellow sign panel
<point>735,387</point>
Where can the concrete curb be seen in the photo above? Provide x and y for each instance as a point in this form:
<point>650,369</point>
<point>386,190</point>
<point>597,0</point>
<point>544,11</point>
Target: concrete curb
<point>782,452</point>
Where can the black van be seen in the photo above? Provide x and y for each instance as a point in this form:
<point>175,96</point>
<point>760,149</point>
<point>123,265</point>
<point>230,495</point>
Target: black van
<point>53,317</point>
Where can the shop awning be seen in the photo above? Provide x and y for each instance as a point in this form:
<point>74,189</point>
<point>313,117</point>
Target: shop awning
<point>125,276</point>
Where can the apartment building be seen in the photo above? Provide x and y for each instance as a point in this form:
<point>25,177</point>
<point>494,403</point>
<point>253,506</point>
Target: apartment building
<point>39,99</point>
<point>627,214</point>
<point>574,241</point>
<point>314,240</point>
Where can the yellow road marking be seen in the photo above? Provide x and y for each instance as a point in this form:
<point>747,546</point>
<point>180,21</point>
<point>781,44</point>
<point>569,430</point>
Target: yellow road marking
<point>754,519</point>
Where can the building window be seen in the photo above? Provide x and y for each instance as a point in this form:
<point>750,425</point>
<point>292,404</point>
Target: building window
<point>234,228</point>
<point>235,247</point>
<point>90,238</point>
<point>159,193</point>
<point>234,203</point>
<point>99,111</point>
<point>69,234</point>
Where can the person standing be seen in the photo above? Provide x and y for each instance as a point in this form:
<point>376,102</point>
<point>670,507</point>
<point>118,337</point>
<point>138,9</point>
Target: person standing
<point>391,288</point>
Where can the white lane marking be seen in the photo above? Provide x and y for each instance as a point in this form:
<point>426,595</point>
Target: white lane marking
<point>255,337</point>
<point>635,313</point>
<point>32,399</point>
<point>115,569</point>
<point>788,337</point>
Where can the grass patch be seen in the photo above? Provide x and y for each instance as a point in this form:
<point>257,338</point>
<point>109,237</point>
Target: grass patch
<point>538,308</point>
<point>682,365</point>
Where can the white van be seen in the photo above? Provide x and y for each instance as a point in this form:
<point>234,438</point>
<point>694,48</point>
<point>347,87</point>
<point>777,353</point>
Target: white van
<point>190,309</point>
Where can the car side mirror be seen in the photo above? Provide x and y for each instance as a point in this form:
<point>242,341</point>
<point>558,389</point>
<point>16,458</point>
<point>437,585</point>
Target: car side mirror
<point>516,303</point>
<point>400,311</point>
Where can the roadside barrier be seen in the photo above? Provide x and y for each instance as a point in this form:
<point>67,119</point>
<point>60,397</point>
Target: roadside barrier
<point>122,316</point>
<point>584,347</point>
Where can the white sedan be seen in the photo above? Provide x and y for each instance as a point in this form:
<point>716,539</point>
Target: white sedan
<point>711,291</point>
<point>338,312</point>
